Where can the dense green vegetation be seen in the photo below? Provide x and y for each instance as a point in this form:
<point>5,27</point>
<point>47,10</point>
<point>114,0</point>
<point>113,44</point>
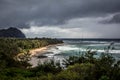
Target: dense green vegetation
<point>10,47</point>
<point>82,67</point>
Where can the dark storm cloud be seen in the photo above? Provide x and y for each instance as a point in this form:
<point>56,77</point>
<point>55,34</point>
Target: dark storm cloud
<point>115,19</point>
<point>22,13</point>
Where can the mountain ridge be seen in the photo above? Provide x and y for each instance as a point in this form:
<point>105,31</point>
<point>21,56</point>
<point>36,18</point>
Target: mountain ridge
<point>12,33</point>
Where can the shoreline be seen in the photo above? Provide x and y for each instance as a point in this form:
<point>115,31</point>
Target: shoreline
<point>41,50</point>
<point>38,51</point>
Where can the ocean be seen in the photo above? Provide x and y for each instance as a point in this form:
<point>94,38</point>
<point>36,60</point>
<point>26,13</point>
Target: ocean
<point>76,47</point>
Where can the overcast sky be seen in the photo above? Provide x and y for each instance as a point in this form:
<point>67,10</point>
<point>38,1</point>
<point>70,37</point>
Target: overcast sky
<point>62,18</point>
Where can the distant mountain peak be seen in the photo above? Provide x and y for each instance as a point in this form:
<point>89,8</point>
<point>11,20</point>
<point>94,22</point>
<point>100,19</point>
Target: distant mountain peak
<point>12,28</point>
<point>11,32</point>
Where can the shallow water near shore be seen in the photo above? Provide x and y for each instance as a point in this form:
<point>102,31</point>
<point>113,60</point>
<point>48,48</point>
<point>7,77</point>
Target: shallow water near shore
<point>75,48</point>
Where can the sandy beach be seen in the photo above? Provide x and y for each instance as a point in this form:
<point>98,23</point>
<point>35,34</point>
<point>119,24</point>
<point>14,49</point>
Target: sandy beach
<point>41,50</point>
<point>38,50</point>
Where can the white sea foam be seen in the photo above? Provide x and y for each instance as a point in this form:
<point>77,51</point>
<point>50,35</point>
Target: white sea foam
<point>62,48</point>
<point>111,51</point>
<point>67,47</point>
